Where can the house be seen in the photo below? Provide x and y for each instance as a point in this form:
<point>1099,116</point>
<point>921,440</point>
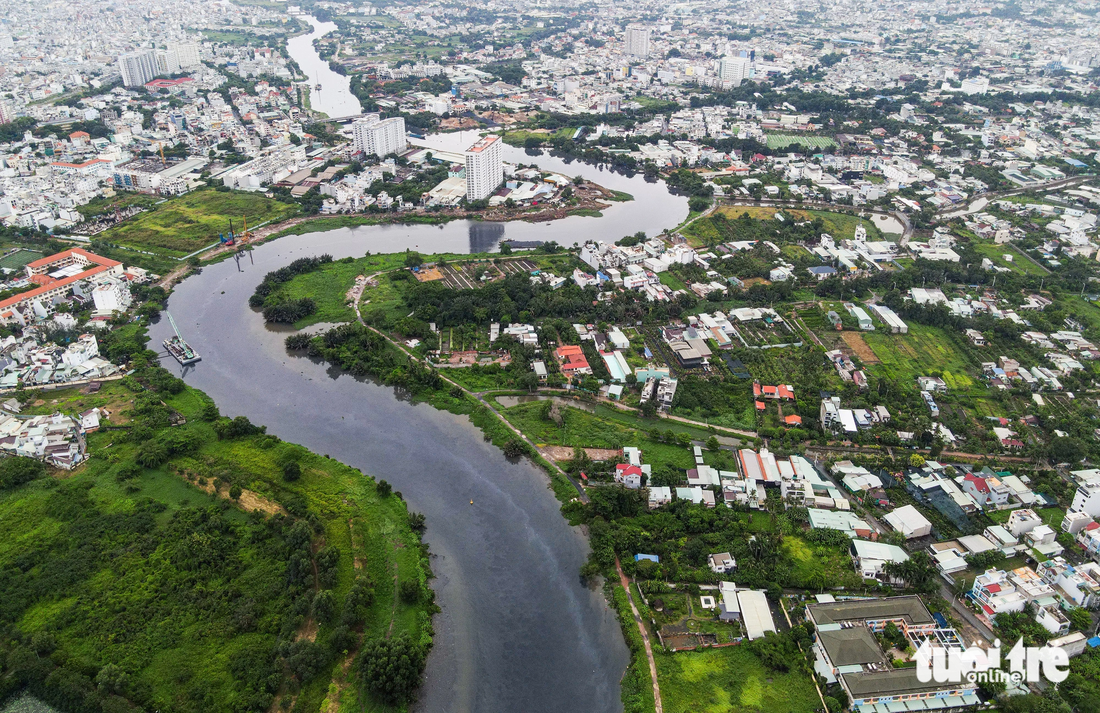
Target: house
<point>628,475</point>
<point>1087,498</point>
<point>572,360</point>
<point>540,370</point>
<point>975,337</point>
<point>931,384</point>
<point>659,495</point>
<point>840,520</point>
<point>721,563</point>
<point>1075,521</point>
<point>1022,521</point>
<point>987,492</point>
<point>748,606</point>
<point>1052,618</point>
<point>909,522</point>
<point>995,594</point>
<point>871,557</point>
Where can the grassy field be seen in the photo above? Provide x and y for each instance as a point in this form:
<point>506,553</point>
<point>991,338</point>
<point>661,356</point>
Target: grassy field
<point>730,679</point>
<point>122,199</point>
<point>820,566</point>
<point>1020,263</point>
<point>106,599</point>
<point>839,225</point>
<point>779,141</point>
<point>904,357</point>
<point>192,221</point>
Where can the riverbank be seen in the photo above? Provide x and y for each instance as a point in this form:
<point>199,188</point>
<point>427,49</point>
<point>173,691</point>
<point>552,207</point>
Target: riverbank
<point>290,561</point>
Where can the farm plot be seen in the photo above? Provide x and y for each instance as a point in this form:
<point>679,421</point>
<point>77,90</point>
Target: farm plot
<point>904,357</point>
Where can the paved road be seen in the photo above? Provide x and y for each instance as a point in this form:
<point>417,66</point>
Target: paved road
<point>986,198</point>
<point>645,638</point>
<point>975,624</point>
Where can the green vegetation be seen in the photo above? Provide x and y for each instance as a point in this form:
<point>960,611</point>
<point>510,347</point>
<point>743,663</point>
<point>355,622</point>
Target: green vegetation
<point>783,141</point>
<point>183,569</point>
<point>194,220</point>
<point>732,678</point>
<point>904,357</point>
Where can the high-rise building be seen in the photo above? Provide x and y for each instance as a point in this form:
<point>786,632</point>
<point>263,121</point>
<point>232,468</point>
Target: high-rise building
<point>484,168</point>
<point>637,41</point>
<point>187,54</point>
<point>167,62</point>
<point>734,70</point>
<point>137,68</point>
<point>6,114</point>
<point>378,136</point>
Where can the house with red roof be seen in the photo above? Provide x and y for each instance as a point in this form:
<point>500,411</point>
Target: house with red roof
<point>628,475</point>
<point>571,360</point>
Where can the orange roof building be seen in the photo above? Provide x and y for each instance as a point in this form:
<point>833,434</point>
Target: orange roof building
<point>572,361</point>
<point>57,274</point>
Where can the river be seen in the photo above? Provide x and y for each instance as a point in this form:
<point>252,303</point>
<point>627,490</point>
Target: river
<point>334,98</point>
<point>518,630</point>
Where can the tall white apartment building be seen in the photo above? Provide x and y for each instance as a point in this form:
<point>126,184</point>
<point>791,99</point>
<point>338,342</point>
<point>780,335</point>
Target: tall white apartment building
<point>378,136</point>
<point>137,68</point>
<point>637,41</point>
<point>484,168</point>
<point>734,70</point>
<point>167,62</point>
<point>187,54</point>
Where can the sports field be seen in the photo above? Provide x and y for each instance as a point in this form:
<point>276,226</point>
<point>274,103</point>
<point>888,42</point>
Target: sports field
<point>780,141</point>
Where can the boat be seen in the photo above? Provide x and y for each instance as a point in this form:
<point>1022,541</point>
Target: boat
<point>180,350</point>
<point>318,87</point>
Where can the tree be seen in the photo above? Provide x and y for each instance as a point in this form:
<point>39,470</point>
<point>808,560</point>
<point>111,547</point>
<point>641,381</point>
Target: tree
<point>515,448</point>
<point>18,470</point>
<point>391,668</point>
<point>384,489</point>
<point>235,492</point>
<point>916,460</point>
<point>712,444</point>
<point>413,259</point>
<point>292,471</point>
<point>112,679</point>
<point>1080,619</point>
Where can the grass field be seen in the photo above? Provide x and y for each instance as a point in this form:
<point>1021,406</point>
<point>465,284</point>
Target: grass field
<point>904,357</point>
<point>1020,263</point>
<point>730,679</point>
<point>779,141</point>
<point>192,221</point>
<point>121,605</point>
<point>122,199</point>
<point>19,259</point>
<point>839,225</point>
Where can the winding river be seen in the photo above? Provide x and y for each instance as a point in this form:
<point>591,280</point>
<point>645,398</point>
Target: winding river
<point>518,630</point>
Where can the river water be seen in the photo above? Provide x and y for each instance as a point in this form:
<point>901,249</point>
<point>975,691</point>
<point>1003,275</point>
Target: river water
<point>518,630</point>
<point>334,98</point>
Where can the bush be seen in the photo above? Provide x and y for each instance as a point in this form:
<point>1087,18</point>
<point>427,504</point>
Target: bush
<point>292,471</point>
<point>19,470</point>
<point>410,591</point>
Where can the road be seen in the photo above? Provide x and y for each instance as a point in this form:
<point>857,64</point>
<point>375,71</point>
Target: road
<point>986,198</point>
<point>645,638</point>
<point>974,624</point>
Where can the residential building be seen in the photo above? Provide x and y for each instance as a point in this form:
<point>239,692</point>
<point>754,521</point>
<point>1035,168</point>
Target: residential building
<point>734,70</point>
<point>137,68</point>
<point>637,41</point>
<point>908,521</point>
<point>1087,498</point>
<point>870,558</point>
<point>721,563</point>
<point>379,137</point>
<point>1022,521</point>
<point>484,168</point>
